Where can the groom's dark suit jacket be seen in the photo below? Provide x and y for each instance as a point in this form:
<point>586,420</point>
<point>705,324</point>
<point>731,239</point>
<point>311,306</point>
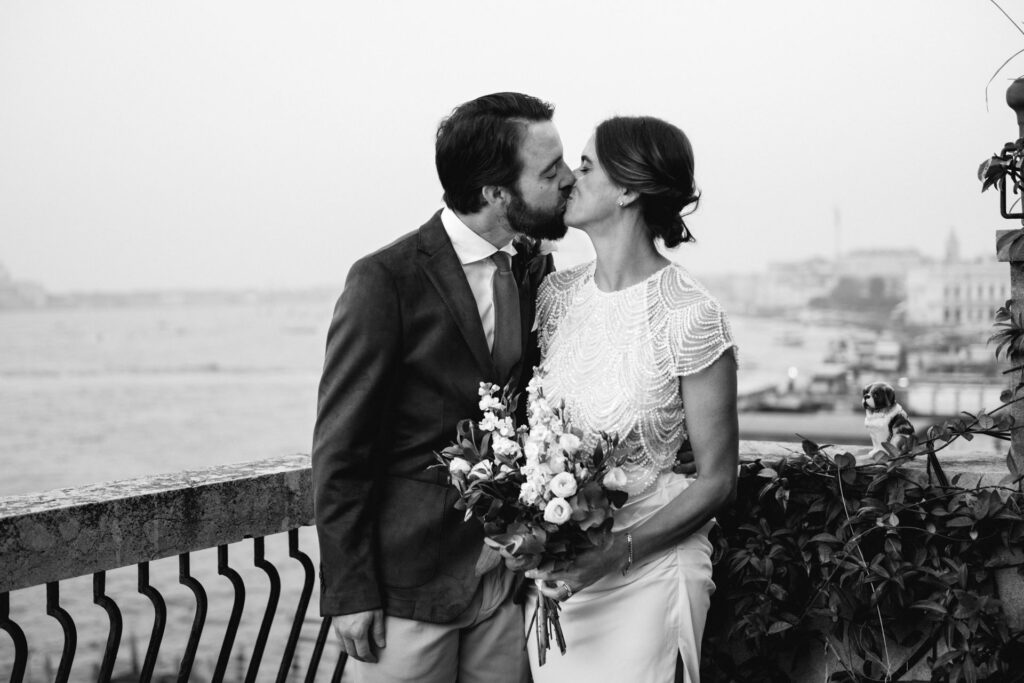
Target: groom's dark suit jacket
<point>406,353</point>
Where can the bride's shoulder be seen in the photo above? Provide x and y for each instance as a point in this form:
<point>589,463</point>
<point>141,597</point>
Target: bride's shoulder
<point>562,281</point>
<point>696,327</point>
<point>678,289</point>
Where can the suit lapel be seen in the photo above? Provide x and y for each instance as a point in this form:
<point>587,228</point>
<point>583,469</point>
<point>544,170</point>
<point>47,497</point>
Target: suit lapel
<point>445,271</point>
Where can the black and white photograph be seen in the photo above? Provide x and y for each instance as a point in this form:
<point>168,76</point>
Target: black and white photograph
<point>543,342</point>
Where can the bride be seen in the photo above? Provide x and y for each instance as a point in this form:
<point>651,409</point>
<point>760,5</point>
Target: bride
<point>631,342</point>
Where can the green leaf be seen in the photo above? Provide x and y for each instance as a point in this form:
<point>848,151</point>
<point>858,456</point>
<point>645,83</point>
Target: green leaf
<point>845,461</point>
<point>488,560</point>
<point>1007,240</point>
<point>983,168</point>
<point>929,606</point>
<point>825,538</point>
<point>779,627</point>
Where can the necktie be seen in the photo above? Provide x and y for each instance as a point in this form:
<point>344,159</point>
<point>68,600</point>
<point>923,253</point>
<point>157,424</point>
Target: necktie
<point>507,327</point>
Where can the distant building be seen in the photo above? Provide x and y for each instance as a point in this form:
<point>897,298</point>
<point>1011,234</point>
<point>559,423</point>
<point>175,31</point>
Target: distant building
<point>793,284</point>
<point>963,295</point>
<point>885,269</point>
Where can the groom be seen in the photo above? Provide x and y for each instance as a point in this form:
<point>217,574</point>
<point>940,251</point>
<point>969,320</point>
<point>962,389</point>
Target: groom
<point>419,325</point>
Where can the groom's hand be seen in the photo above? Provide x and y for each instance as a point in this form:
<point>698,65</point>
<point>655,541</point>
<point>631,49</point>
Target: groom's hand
<point>356,630</point>
<point>684,463</point>
<point>520,563</point>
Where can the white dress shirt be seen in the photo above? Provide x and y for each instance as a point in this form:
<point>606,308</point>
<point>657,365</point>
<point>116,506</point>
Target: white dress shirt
<point>474,254</point>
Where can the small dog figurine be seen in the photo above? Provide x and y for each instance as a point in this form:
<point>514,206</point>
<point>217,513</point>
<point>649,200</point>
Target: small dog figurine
<point>885,419</point>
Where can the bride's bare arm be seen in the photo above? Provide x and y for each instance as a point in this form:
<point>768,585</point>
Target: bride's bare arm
<point>709,400</point>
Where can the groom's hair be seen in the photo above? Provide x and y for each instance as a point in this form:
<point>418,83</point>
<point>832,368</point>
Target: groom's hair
<point>478,145</point>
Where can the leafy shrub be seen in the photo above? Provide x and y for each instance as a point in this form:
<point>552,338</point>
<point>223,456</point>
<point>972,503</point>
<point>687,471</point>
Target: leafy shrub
<point>821,552</point>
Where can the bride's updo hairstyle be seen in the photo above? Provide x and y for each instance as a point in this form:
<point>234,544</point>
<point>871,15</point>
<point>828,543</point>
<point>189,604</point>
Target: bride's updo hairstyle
<point>654,159</point>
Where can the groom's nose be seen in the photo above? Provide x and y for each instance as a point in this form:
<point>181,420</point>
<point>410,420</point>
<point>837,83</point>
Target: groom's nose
<point>566,177</point>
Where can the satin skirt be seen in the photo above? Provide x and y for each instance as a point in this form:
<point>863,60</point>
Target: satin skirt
<point>633,627</point>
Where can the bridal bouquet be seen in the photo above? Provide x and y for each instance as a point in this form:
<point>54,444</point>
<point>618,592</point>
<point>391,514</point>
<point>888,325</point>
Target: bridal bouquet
<point>540,497</point>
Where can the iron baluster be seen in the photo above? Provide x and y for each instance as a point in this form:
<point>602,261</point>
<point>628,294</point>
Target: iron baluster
<point>185,578</point>
<point>300,610</point>
<point>159,620</point>
<point>236,612</point>
<point>100,598</point>
<point>268,616</point>
<point>17,635</point>
<point>318,650</point>
<point>54,610</point>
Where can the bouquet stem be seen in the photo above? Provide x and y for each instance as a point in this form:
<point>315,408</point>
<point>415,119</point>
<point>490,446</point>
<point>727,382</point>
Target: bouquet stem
<point>545,618</point>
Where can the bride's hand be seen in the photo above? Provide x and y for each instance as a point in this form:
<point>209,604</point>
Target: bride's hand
<point>588,568</point>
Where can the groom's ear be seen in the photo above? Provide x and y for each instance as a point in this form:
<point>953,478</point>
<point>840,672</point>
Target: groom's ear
<point>495,195</point>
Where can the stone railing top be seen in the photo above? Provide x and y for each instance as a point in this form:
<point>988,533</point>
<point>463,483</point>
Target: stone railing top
<point>63,533</point>
<point>978,467</point>
<point>110,491</point>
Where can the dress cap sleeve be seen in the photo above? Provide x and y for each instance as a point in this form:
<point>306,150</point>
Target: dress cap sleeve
<point>553,300</point>
<point>698,330</point>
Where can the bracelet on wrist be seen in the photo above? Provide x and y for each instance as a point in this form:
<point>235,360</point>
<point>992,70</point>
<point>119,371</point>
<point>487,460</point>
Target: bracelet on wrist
<point>629,554</point>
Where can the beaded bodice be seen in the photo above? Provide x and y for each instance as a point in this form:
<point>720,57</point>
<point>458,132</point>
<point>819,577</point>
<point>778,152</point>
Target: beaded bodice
<point>616,358</point>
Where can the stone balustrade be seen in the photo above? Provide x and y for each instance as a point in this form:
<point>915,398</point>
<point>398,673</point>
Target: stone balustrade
<point>52,537</point>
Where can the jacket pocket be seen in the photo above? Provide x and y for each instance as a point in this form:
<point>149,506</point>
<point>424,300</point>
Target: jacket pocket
<point>410,523</point>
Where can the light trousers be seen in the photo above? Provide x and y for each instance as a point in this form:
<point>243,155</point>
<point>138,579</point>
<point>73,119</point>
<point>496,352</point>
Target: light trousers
<point>483,645</point>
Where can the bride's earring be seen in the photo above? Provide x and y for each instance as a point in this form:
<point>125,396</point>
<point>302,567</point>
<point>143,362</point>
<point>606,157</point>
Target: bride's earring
<point>621,203</point>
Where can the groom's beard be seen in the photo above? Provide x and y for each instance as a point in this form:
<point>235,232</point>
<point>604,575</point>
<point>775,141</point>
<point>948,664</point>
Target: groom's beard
<point>535,223</point>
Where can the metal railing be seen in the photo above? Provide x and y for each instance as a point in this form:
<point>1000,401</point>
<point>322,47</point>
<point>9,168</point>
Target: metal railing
<point>49,539</point>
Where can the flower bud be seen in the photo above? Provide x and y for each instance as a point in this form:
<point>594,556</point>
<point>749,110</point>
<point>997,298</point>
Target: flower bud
<point>459,466</point>
<point>481,470</point>
<point>615,479</point>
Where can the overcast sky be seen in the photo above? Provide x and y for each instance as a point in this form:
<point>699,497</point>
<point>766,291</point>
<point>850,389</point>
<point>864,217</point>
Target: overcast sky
<point>235,144</point>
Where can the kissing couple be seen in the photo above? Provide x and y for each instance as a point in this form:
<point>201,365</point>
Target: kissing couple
<point>630,343</point>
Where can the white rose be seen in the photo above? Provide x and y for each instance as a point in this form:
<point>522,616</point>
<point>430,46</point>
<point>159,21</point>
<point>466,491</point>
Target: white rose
<point>557,511</point>
<point>459,466</point>
<point>563,485</point>
<point>569,442</point>
<point>615,480</point>
<point>481,470</point>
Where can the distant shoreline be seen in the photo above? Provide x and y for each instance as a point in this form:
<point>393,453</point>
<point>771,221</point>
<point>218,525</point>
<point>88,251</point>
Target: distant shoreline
<point>169,297</point>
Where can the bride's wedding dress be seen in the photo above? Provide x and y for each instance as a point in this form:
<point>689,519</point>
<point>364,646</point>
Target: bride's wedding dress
<point>616,359</point>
